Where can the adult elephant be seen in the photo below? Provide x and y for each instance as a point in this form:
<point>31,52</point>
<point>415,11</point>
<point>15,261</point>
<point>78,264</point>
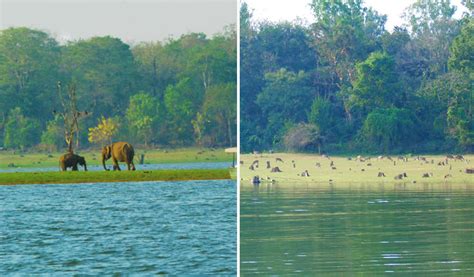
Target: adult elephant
<point>120,152</point>
<point>71,160</point>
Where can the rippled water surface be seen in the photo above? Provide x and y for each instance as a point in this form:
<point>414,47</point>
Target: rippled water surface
<point>148,228</point>
<point>357,230</point>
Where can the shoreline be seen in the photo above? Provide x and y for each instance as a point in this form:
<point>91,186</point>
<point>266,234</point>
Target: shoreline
<point>75,177</point>
<point>369,187</point>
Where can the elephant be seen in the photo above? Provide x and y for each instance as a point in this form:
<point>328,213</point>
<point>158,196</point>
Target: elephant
<point>120,152</point>
<point>71,160</point>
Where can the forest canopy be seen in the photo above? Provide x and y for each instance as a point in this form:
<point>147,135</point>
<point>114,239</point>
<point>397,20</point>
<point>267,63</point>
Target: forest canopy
<point>180,92</point>
<point>345,84</point>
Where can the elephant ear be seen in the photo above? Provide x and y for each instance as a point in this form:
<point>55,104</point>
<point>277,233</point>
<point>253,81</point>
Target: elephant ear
<point>109,151</point>
<point>106,152</point>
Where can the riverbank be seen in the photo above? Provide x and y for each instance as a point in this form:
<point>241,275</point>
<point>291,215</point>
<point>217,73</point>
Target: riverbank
<point>93,157</point>
<point>308,169</point>
<point>112,176</point>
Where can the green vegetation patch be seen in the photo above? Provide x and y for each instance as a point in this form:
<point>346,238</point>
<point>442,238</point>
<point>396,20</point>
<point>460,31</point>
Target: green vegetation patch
<point>93,157</point>
<point>111,176</point>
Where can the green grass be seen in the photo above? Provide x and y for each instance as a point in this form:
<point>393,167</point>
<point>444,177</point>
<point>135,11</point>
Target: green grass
<point>350,171</point>
<point>111,176</point>
<point>233,173</point>
<point>93,157</point>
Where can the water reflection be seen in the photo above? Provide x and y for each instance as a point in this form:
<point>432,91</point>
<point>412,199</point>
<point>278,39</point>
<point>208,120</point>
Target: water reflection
<point>357,229</point>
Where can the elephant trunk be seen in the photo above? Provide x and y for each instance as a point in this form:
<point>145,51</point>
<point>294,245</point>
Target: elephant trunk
<point>85,166</point>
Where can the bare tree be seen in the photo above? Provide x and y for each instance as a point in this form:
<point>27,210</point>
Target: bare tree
<point>70,114</point>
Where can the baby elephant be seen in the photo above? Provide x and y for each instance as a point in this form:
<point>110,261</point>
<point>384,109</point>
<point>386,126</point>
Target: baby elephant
<point>71,160</point>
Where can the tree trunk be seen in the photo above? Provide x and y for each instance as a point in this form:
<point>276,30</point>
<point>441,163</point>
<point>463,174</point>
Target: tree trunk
<point>77,139</point>
<point>69,146</point>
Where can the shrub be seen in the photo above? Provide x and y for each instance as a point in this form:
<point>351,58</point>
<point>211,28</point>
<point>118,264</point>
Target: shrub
<point>303,137</point>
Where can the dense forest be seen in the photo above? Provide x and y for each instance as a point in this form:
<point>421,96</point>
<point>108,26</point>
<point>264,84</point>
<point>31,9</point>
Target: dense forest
<point>181,92</point>
<point>344,84</point>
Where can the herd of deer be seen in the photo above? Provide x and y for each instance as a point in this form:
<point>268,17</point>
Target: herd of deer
<point>276,169</point>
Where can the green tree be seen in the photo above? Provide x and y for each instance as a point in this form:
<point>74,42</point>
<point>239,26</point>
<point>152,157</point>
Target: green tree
<point>182,102</point>
<point>214,62</point>
<point>470,6</point>
<point>386,128</point>
<point>267,47</point>
<point>449,99</point>
<point>285,45</point>
<point>326,118</point>
<point>251,83</point>
<point>199,128</point>
<point>377,83</point>
<point>155,66</point>
<point>104,71</point>
<point>460,113</point>
<point>394,42</point>
<point>220,107</point>
<point>29,62</point>
<point>433,27</point>
<point>20,131</point>
<point>355,70</point>
<point>141,115</point>
<point>462,50</point>
<point>285,99</point>
<point>345,32</point>
<point>53,136</point>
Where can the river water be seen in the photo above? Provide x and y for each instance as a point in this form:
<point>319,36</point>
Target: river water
<point>357,230</point>
<point>146,228</point>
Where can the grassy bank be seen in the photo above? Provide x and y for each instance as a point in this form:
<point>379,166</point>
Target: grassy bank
<point>111,176</point>
<point>93,157</point>
<point>345,171</point>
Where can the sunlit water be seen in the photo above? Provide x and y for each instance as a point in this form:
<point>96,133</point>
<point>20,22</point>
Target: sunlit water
<point>146,228</point>
<point>198,165</point>
<point>314,230</point>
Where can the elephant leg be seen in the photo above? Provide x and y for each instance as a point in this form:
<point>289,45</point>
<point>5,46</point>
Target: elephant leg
<point>130,165</point>
<point>116,165</point>
<point>74,167</point>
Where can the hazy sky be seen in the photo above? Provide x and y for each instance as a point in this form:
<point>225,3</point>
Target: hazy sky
<point>130,20</point>
<point>277,10</point>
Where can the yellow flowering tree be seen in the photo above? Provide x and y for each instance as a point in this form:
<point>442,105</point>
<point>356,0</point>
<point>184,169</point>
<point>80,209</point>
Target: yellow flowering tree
<point>104,131</point>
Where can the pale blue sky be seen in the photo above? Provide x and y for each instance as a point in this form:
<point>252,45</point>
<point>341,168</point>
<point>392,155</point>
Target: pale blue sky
<point>130,20</point>
<point>277,10</point>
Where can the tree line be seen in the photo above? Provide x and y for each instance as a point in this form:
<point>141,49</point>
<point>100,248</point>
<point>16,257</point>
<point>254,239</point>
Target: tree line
<point>180,92</point>
<point>345,84</point>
